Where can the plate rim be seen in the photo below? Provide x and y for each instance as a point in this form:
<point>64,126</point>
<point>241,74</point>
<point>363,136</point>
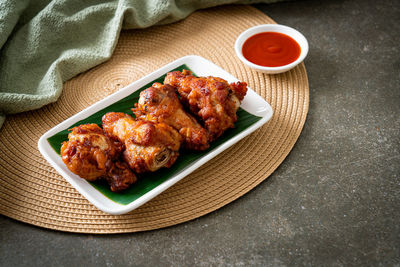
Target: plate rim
<point>92,194</point>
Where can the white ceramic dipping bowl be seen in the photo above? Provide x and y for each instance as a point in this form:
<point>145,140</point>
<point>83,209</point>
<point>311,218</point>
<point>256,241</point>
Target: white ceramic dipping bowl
<point>296,35</point>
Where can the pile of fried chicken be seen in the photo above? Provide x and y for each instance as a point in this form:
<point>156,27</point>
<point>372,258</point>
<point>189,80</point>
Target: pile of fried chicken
<point>164,123</point>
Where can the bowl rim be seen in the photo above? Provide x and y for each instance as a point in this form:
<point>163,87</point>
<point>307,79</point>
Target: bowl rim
<point>272,28</point>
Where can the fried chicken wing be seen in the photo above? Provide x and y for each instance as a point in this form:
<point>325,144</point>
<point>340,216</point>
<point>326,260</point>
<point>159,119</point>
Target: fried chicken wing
<point>120,176</point>
<point>148,145</point>
<point>88,151</point>
<point>213,100</point>
<point>160,103</point>
<point>92,155</point>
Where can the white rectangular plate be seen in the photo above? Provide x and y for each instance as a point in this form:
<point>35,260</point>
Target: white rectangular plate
<point>252,103</point>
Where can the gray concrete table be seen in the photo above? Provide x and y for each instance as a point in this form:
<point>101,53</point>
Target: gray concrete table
<point>333,201</point>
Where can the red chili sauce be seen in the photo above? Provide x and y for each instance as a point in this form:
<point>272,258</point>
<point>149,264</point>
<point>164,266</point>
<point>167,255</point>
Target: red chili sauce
<point>271,49</point>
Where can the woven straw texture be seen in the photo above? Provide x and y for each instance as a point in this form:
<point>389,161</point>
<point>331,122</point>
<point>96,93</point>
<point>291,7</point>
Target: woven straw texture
<point>33,192</point>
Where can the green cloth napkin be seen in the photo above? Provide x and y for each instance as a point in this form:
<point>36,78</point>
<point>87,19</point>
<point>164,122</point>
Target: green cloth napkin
<point>44,43</point>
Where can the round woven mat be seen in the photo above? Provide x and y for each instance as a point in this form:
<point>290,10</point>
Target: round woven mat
<point>33,192</point>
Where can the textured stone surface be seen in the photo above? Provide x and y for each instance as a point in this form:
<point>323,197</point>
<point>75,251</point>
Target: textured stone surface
<point>333,201</point>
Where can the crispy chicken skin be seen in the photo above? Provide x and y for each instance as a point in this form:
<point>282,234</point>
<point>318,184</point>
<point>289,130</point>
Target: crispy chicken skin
<point>120,176</point>
<point>148,145</point>
<point>92,155</point>
<point>88,151</point>
<point>160,103</point>
<point>213,100</point>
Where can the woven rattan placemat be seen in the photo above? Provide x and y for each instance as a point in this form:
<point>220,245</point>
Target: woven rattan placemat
<point>33,192</point>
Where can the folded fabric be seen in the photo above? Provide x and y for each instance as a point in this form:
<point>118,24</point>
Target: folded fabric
<point>44,43</point>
